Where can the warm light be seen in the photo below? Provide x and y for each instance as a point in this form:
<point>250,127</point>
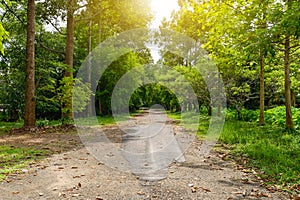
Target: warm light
<point>161,9</point>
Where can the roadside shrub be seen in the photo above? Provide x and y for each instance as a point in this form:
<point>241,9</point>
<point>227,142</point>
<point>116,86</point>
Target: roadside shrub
<point>250,115</point>
<point>276,116</point>
<point>247,115</point>
<point>231,114</point>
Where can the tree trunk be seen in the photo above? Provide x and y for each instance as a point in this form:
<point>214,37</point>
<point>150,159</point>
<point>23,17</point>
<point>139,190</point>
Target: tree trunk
<point>29,117</point>
<point>90,108</point>
<point>293,99</point>
<point>219,91</point>
<point>99,88</point>
<point>287,84</point>
<point>262,90</point>
<point>67,113</point>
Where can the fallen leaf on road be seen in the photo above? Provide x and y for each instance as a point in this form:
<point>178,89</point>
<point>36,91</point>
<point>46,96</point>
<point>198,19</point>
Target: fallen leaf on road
<point>296,197</point>
<point>141,193</point>
<point>236,192</point>
<point>62,195</point>
<point>205,189</point>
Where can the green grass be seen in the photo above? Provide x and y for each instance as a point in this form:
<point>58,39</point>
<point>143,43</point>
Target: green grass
<point>103,120</point>
<point>14,159</point>
<point>271,149</point>
<point>191,122</point>
<point>268,149</point>
<point>6,126</point>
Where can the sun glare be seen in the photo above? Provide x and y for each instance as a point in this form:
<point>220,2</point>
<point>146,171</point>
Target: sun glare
<point>161,9</point>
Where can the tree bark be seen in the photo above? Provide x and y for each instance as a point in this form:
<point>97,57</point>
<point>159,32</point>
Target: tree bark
<point>29,115</point>
<point>293,99</point>
<point>99,88</point>
<point>67,113</point>
<point>287,84</point>
<point>90,108</point>
<point>262,90</point>
<point>219,91</point>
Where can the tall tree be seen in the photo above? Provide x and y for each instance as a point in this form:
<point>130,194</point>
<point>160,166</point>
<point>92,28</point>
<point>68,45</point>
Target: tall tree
<point>67,113</point>
<point>29,117</point>
<point>287,80</point>
<point>287,83</point>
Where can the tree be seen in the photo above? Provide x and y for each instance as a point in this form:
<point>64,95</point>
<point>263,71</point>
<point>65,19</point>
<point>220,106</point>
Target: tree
<point>52,90</point>
<point>67,113</point>
<point>244,38</point>
<point>287,55</point>
<point>29,116</point>
<point>286,35</point>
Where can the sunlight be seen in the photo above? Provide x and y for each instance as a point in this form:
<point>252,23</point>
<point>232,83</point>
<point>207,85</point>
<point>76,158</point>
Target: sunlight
<point>161,9</point>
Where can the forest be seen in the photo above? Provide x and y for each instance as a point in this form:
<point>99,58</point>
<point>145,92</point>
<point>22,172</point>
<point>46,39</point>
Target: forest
<point>254,45</point>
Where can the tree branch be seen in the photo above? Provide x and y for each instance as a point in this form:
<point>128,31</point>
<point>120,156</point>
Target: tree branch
<point>79,7</point>
<point>295,50</point>
<point>280,49</point>
<point>57,29</point>
<point>10,10</point>
<point>296,45</point>
<point>50,49</point>
<point>3,16</point>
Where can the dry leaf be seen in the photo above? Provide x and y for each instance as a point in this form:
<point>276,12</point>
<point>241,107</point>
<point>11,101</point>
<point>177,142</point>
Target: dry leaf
<point>205,189</point>
<point>194,190</point>
<point>141,193</point>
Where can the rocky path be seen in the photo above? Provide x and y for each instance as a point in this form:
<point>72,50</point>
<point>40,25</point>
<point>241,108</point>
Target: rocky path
<point>77,174</point>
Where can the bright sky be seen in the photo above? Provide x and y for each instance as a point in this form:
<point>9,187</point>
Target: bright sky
<point>161,9</point>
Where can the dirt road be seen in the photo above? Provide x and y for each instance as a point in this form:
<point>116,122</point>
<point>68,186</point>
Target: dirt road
<point>77,174</point>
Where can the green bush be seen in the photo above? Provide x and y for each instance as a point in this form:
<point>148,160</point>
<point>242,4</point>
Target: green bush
<point>43,123</point>
<point>250,115</point>
<point>247,115</point>
<point>276,116</point>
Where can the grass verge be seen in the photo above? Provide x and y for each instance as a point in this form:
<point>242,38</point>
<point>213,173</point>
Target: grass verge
<point>14,159</point>
<point>269,149</point>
